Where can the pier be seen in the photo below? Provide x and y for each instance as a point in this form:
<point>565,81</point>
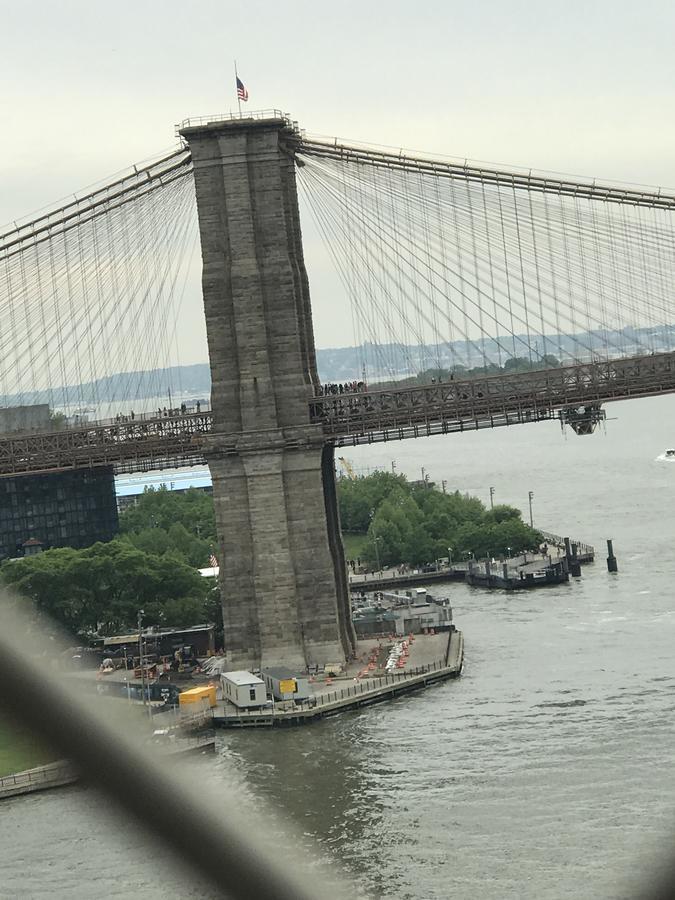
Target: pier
<point>540,573</point>
<point>561,551</point>
<point>334,696</point>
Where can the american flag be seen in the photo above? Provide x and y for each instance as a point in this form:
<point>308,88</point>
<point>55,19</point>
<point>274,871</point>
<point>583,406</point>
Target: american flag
<point>214,561</point>
<point>242,93</point>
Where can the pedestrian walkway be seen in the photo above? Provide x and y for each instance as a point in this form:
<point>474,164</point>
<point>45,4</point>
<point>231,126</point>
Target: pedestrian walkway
<point>40,778</point>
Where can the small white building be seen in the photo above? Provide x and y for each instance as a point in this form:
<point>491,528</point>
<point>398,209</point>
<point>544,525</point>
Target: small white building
<point>244,689</point>
<point>284,684</point>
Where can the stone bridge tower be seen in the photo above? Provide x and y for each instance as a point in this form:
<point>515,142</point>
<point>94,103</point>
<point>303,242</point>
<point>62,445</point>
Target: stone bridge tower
<point>283,579</point>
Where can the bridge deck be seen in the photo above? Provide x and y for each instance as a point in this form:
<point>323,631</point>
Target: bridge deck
<point>491,401</point>
<point>145,444</point>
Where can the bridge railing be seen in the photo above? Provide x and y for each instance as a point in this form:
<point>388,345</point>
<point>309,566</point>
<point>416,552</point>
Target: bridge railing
<point>196,121</point>
<point>80,422</point>
<point>162,413</point>
<point>535,394</point>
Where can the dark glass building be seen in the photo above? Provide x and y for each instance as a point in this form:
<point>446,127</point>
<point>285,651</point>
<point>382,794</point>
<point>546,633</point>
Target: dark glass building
<point>61,509</point>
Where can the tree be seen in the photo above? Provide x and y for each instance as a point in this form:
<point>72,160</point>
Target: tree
<point>487,540</point>
<point>501,513</point>
<point>164,521</point>
<point>101,588</point>
<point>517,364</point>
<point>415,524</point>
<point>550,361</point>
<point>419,547</point>
<point>355,508</point>
<point>161,508</point>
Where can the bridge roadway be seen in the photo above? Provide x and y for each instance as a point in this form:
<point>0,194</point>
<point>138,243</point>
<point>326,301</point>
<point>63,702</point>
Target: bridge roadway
<point>152,443</point>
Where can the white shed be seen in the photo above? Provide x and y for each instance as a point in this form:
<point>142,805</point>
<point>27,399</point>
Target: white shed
<point>244,689</point>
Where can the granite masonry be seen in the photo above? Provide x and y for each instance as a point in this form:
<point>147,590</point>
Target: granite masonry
<point>283,582</point>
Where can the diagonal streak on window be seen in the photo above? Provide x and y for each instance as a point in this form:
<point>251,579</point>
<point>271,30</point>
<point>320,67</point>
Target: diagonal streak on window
<point>207,837</point>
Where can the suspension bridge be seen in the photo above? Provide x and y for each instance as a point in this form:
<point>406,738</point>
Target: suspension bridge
<point>481,297</point>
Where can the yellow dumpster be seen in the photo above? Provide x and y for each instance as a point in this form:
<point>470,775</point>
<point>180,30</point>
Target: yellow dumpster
<point>203,696</point>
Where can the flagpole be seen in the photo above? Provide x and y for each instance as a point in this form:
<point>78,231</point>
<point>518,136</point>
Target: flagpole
<point>236,84</point>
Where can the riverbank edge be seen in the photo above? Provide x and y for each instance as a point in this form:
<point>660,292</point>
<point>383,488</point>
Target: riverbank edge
<point>40,778</point>
<point>63,773</point>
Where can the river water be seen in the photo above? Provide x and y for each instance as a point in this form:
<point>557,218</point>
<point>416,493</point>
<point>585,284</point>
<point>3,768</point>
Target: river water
<point>544,772</point>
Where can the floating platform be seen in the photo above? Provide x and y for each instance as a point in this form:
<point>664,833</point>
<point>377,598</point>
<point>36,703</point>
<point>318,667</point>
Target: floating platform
<point>569,554</point>
<point>525,577</point>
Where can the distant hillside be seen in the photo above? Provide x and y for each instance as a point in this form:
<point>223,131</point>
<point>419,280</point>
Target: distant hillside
<point>383,361</point>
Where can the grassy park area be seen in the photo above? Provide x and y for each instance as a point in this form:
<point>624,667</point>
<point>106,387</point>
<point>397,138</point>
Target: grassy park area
<point>354,545</point>
<point>18,750</point>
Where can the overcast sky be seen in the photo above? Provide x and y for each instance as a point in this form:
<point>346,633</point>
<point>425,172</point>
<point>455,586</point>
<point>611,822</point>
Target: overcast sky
<point>89,88</point>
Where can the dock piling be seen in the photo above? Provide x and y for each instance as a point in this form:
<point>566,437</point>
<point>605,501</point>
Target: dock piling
<point>612,565</point>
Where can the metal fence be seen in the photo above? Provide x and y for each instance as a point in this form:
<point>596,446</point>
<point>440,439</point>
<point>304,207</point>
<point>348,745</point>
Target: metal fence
<point>558,541</point>
<point>51,773</point>
<point>373,687</point>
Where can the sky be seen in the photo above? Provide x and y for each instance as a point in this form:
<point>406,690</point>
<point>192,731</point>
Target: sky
<point>90,88</point>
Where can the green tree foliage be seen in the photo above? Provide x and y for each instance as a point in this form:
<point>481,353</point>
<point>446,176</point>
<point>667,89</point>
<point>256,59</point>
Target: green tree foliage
<point>501,513</point>
<point>414,524</point>
<point>511,536</point>
<point>162,508</point>
<point>511,366</point>
<point>360,497</point>
<point>181,524</point>
<point>101,588</point>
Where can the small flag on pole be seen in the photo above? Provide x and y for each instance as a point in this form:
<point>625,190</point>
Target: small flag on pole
<point>242,93</point>
<point>214,561</point>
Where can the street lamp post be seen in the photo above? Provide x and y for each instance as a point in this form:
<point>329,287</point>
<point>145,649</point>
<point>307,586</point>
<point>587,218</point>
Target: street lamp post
<point>140,653</point>
<point>375,541</point>
<point>492,498</point>
<point>444,484</point>
<point>529,497</point>
<point>449,557</point>
<point>377,552</point>
<point>126,669</point>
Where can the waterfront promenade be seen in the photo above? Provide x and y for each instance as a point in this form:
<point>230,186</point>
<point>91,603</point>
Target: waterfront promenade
<point>528,563</point>
<point>41,778</point>
<point>62,772</point>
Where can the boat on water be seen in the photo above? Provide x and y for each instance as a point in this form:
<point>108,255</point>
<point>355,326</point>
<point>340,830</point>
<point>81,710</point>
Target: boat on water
<point>669,454</point>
